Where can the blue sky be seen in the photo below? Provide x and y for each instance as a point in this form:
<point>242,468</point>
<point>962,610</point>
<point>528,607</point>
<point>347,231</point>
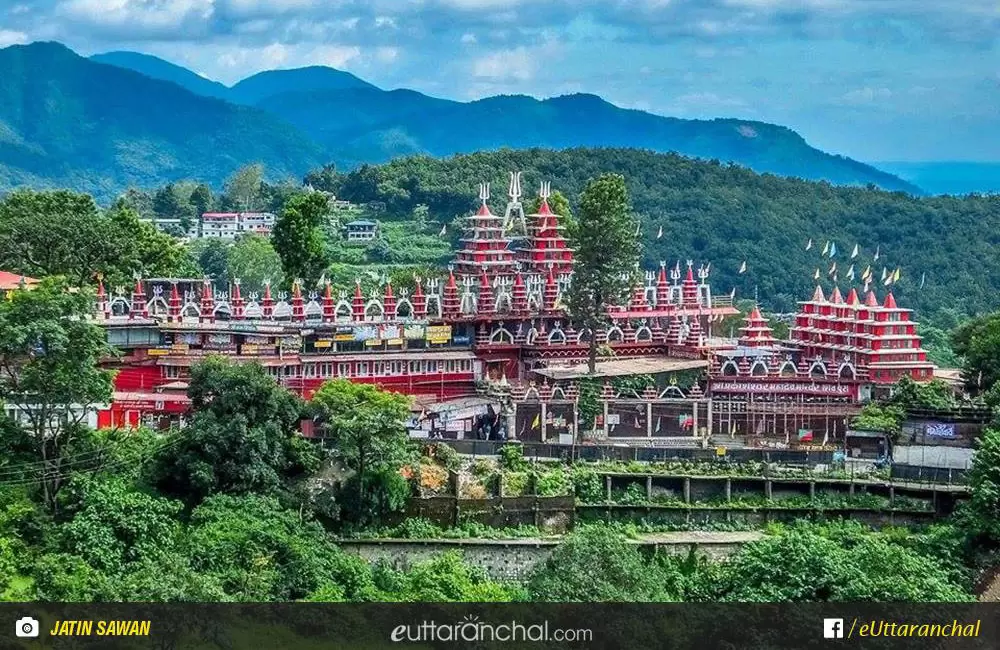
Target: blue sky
<point>875,80</point>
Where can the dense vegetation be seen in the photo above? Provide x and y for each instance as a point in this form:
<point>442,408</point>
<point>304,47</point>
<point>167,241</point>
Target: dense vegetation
<point>67,121</point>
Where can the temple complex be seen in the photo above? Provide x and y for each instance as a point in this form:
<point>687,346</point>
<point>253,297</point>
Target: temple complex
<point>494,328</point>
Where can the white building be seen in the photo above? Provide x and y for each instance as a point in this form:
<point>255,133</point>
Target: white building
<point>361,230</point>
<point>227,225</point>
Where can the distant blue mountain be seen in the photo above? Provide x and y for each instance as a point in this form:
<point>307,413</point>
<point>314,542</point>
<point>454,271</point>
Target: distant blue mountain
<point>96,124</point>
<point>157,68</point>
<point>948,177</point>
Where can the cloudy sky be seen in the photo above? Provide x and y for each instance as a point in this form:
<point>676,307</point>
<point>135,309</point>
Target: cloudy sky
<point>876,80</point>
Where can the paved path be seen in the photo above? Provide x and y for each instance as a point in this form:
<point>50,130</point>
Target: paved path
<point>680,538</point>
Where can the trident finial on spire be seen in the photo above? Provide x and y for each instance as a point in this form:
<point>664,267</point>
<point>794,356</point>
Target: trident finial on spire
<point>514,189</point>
<point>484,192</point>
<point>546,190</point>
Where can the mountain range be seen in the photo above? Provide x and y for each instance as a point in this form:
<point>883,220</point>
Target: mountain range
<point>121,118</point>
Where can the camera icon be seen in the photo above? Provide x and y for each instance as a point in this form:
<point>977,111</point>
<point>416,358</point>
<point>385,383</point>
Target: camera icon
<point>26,627</point>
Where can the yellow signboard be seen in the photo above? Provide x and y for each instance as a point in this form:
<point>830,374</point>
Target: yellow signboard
<point>250,348</point>
<point>344,337</point>
<point>179,347</point>
<point>439,333</point>
<point>373,342</point>
<point>394,341</point>
<point>720,451</point>
<point>323,343</point>
<point>157,352</point>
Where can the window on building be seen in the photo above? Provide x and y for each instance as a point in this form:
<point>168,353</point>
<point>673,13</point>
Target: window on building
<point>363,369</point>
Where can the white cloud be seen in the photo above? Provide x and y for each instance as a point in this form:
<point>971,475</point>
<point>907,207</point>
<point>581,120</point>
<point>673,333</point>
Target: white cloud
<point>386,54</point>
<point>468,37</point>
<point>866,95</point>
<point>10,37</point>
<point>517,64</point>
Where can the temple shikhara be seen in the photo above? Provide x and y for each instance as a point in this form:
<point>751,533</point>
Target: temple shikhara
<point>491,335</point>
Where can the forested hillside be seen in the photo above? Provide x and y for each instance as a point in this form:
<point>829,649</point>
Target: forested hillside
<point>726,214</point>
<point>68,122</point>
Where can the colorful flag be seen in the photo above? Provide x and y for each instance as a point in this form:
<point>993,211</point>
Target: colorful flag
<point>638,225</point>
<point>833,269</point>
<point>444,230</point>
<point>816,275</point>
<point>809,244</point>
<point>805,435</point>
<point>732,295</point>
<point>868,272</point>
<point>855,253</point>
<point>885,272</point>
<point>850,272</point>
<point>686,421</point>
<point>743,267</point>
<point>833,249</point>
<point>876,254</point>
<point>659,233</point>
<point>923,278</point>
<point>895,276</point>
<point>658,422</point>
<point>826,248</point>
<point>537,422</point>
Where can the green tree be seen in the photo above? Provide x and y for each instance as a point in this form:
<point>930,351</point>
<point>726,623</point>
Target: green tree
<point>167,202</point>
<point>213,257</point>
<point>143,250</point>
<point>559,204</point>
<point>808,564</point>
<point>253,260</point>
<point>982,511</point>
<point>978,342</point>
<point>243,436</point>
<point>202,200</point>
<point>325,179</point>
<point>139,200</point>
<point>607,250</point>
<point>243,188</point>
<point>115,526</point>
<point>56,233</point>
<point>49,353</point>
<point>298,237</point>
<point>367,428</point>
<point>598,564</point>
<point>260,551</point>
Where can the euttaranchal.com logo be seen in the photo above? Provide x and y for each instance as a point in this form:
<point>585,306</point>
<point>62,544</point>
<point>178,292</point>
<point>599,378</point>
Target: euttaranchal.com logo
<point>472,630</point>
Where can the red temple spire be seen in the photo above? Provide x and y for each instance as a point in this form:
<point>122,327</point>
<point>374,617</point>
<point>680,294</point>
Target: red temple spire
<point>871,300</point>
<point>484,246</point>
<point>662,288</point>
<point>852,297</point>
<point>520,294</point>
<point>419,300</point>
<point>358,304</point>
<point>452,304</point>
<point>546,244</point>
<point>551,291</point>
<point>890,301</point>
<point>174,304</point>
<point>237,301</point>
<point>267,304</point>
<point>485,301</point>
<point>207,301</point>
<point>388,301</point>
<point>329,308</point>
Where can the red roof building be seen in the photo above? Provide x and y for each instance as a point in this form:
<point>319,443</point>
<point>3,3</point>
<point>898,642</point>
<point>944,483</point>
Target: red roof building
<point>546,246</point>
<point>485,247</point>
<point>879,338</point>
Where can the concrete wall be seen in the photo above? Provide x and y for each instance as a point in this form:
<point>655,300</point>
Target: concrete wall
<point>514,559</point>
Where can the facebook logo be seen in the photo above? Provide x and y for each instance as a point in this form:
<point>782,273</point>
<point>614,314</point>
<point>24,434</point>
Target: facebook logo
<point>833,628</point>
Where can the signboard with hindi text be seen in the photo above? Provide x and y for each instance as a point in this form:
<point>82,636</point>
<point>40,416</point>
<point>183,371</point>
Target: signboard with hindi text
<point>439,333</point>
